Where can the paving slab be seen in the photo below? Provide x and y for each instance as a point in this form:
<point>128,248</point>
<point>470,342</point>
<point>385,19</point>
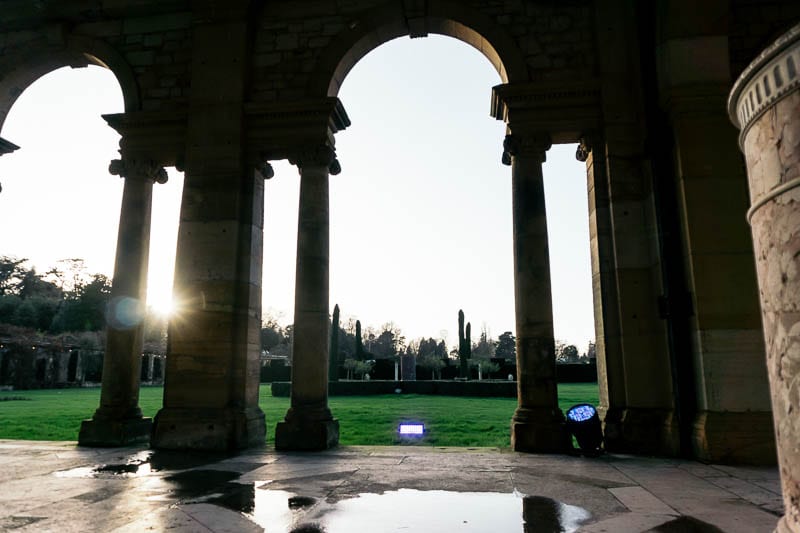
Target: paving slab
<point>61,487</point>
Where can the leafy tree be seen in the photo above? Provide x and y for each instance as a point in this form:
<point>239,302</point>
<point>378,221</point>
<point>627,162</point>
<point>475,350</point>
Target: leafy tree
<point>8,305</point>
<point>350,365</point>
<point>362,367</point>
<point>591,352</point>
<point>272,334</point>
<point>11,274</point>
<point>506,346</point>
<point>485,347</point>
<point>566,353</point>
<point>486,366</point>
<point>433,363</point>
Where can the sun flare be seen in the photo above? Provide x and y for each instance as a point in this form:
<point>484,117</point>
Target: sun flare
<point>164,308</point>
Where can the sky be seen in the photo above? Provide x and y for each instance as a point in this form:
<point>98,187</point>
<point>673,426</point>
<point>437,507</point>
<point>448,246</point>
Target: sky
<point>420,215</point>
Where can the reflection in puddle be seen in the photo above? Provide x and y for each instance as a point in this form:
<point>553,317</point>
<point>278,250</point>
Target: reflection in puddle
<point>143,464</point>
<point>402,510</point>
<point>137,466</point>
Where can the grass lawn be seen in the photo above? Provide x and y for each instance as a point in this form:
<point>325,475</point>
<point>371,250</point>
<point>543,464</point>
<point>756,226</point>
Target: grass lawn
<point>449,420</point>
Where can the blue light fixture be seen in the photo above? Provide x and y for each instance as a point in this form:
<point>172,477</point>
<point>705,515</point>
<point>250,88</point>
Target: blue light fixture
<point>584,424</point>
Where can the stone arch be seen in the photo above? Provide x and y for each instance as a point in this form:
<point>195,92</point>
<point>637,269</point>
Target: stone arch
<point>28,62</point>
<point>389,21</point>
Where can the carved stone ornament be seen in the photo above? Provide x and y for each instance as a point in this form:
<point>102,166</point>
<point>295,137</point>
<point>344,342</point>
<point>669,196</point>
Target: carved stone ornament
<point>265,169</point>
<point>583,150</point>
<point>137,169</point>
<point>321,156</point>
<point>533,146</point>
<point>335,167</point>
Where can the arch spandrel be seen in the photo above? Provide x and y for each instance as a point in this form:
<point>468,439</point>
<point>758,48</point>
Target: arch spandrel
<point>389,21</point>
<point>22,65</point>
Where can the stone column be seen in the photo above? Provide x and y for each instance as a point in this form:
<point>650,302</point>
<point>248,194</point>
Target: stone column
<point>118,421</point>
<point>646,422</point>
<point>765,104</point>
<point>610,362</point>
<point>309,424</point>
<point>537,424</point>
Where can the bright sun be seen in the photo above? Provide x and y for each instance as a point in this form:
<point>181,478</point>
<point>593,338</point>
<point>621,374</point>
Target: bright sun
<point>164,307</point>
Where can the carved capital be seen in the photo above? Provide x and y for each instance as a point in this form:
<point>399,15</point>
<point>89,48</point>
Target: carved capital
<point>320,156</point>
<point>531,145</point>
<point>265,169</point>
<point>583,150</point>
<point>138,169</point>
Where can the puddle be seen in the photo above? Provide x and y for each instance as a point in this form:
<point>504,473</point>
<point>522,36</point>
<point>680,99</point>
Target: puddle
<point>136,466</point>
<point>143,464</point>
<point>402,510</point>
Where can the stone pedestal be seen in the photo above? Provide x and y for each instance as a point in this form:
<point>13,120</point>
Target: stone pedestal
<point>537,424</point>
<point>118,421</point>
<point>309,424</point>
<point>765,104</point>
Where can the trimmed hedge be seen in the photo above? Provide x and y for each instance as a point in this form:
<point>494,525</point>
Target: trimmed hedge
<point>495,389</point>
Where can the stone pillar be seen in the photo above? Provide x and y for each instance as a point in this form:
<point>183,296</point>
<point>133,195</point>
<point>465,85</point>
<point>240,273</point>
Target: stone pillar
<point>211,384</point>
<point>118,421</point>
<point>733,422</point>
<point>765,104</point>
<point>309,424</point>
<point>645,422</point>
<point>610,368</point>
<point>537,424</point>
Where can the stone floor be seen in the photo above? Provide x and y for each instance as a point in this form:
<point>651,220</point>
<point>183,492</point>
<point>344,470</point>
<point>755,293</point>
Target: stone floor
<point>55,486</point>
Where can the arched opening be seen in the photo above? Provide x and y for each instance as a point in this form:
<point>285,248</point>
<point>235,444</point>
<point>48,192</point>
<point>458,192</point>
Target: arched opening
<point>391,228</point>
<point>61,203</point>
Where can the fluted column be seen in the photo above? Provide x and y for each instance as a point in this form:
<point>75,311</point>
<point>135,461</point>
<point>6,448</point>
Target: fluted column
<point>765,105</point>
<point>537,424</point>
<point>118,421</point>
<point>309,424</point>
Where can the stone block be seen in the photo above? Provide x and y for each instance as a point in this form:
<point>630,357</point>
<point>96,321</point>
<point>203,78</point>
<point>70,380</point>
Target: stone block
<point>543,436</point>
<point>141,57</point>
<point>157,24</point>
<point>208,429</point>
<point>112,433</point>
<point>286,41</point>
<point>307,435</point>
<point>642,431</point>
<point>733,364</point>
<point>727,437</point>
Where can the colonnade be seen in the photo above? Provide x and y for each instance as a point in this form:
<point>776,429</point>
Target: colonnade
<point>203,407</point>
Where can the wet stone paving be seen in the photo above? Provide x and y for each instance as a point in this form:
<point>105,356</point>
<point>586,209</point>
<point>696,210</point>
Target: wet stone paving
<point>56,486</point>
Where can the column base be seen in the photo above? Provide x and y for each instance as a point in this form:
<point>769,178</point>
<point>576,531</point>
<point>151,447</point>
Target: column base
<point>103,432</point>
<point>735,438</point>
<point>208,429</point>
<point>307,435</point>
<point>539,431</point>
<point>642,431</point>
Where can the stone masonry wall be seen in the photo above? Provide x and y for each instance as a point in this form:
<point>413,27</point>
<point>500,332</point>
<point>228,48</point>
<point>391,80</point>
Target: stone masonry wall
<point>555,39</point>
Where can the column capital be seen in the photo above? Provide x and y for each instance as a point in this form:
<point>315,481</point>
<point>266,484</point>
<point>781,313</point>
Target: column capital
<point>587,143</point>
<point>262,165</point>
<point>137,169</point>
<point>322,155</point>
<point>532,145</point>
